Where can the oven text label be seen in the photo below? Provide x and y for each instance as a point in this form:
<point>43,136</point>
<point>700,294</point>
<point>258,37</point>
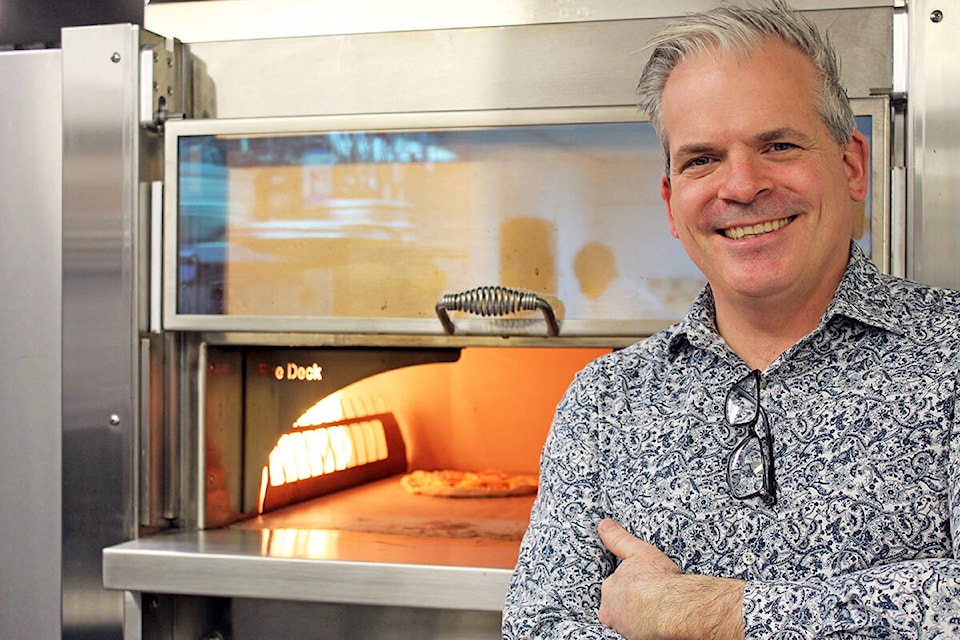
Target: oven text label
<point>294,371</point>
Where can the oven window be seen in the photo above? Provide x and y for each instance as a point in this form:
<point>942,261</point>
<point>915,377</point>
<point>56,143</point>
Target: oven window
<point>379,224</point>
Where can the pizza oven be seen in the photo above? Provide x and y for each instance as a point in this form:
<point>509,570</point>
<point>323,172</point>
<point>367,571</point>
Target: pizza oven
<point>300,510</point>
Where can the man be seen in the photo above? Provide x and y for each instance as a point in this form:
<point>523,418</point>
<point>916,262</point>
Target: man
<point>784,462</point>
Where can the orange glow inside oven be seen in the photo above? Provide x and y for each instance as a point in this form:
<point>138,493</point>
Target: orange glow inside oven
<point>315,448</point>
<point>491,409</point>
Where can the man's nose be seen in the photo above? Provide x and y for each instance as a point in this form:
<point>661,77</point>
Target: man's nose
<point>742,178</point>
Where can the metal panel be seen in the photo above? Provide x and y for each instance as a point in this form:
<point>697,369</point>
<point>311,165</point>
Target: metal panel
<point>511,67</point>
<point>253,619</point>
<point>933,155</point>
<point>100,375</point>
<point>30,344</point>
<point>247,19</point>
<point>318,566</point>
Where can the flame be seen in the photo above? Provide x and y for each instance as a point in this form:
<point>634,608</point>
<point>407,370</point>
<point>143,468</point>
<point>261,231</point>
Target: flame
<point>330,409</point>
<point>316,447</point>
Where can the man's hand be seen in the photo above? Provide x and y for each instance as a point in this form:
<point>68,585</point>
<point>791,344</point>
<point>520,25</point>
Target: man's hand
<point>649,598</point>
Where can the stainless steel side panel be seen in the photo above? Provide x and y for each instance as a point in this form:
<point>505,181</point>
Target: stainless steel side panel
<point>100,205</point>
<point>30,344</point>
<point>933,137</point>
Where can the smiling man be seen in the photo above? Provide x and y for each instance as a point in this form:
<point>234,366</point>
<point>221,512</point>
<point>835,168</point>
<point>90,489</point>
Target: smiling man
<point>785,461</point>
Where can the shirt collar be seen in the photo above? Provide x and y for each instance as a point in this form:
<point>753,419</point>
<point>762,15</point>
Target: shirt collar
<point>862,296</point>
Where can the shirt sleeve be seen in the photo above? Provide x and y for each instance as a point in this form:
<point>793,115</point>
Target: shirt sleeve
<point>917,599</point>
<point>913,599</point>
<point>555,589</point>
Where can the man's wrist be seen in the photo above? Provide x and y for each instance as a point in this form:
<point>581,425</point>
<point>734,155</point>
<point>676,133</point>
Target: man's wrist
<point>705,608</point>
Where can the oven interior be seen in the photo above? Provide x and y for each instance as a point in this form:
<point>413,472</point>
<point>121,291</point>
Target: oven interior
<point>364,417</point>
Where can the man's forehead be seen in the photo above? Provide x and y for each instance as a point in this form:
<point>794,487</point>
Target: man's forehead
<point>765,91</point>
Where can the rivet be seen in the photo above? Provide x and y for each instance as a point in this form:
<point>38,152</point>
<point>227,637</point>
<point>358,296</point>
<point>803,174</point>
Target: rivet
<point>936,15</point>
<point>115,58</point>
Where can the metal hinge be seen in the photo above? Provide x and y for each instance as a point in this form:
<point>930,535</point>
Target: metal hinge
<point>161,82</point>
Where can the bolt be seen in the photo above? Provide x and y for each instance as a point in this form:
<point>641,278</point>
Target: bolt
<point>936,15</point>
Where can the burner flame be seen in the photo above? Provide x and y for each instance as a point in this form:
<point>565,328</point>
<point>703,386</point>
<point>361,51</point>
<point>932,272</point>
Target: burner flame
<point>311,450</point>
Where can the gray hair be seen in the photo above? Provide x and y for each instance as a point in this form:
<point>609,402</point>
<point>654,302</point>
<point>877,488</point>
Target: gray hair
<point>739,30</point>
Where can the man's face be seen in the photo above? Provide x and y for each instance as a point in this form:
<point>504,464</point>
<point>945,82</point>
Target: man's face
<point>759,193</point>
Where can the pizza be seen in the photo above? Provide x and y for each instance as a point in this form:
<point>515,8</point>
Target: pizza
<point>448,483</point>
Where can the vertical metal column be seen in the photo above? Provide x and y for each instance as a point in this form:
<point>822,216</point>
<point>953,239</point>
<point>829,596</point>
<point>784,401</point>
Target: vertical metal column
<point>101,140</point>
<point>933,136</point>
<point>30,344</point>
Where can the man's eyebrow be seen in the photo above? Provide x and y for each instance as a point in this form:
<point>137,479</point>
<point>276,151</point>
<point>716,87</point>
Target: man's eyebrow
<point>783,133</point>
<point>694,149</point>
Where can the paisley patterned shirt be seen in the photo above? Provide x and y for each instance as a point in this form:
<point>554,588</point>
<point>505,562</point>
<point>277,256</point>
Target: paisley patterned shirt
<point>864,539</point>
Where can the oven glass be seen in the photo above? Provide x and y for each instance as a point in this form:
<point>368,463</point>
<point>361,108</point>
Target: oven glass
<point>379,224</point>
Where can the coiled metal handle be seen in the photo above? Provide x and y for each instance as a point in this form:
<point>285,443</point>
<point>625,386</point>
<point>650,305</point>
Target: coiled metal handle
<point>495,301</point>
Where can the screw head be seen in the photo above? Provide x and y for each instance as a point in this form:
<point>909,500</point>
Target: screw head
<point>115,58</point>
<point>936,15</point>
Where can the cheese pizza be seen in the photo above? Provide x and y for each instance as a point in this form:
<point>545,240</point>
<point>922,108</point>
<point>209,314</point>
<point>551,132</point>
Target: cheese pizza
<point>449,483</point>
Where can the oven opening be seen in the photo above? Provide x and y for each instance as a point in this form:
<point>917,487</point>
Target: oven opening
<point>322,454</point>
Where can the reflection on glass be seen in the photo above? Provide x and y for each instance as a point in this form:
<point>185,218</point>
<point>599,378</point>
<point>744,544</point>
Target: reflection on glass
<point>380,224</point>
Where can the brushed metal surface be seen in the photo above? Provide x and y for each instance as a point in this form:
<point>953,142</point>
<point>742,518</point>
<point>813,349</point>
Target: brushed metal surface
<point>327,566</point>
<point>503,67</point>
<point>30,286</point>
<point>933,155</point>
<point>258,619</point>
<point>100,342</point>
<point>246,19</point>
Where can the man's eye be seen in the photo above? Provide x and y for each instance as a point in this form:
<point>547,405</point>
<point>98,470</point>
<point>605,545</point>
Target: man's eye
<point>699,161</point>
<point>782,146</point>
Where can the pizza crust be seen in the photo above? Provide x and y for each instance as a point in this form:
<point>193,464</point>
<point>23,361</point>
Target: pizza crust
<point>449,483</point>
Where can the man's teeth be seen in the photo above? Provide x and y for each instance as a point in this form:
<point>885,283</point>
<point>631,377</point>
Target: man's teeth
<point>736,233</point>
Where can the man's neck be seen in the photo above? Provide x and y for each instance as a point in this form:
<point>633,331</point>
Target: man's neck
<point>760,332</point>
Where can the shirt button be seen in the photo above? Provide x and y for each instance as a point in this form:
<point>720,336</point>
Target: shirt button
<point>749,558</point>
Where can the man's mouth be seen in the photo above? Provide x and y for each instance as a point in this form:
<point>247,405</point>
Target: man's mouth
<point>737,233</point>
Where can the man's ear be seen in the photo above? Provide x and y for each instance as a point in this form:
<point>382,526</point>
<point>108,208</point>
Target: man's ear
<point>856,161</point>
<point>666,190</point>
